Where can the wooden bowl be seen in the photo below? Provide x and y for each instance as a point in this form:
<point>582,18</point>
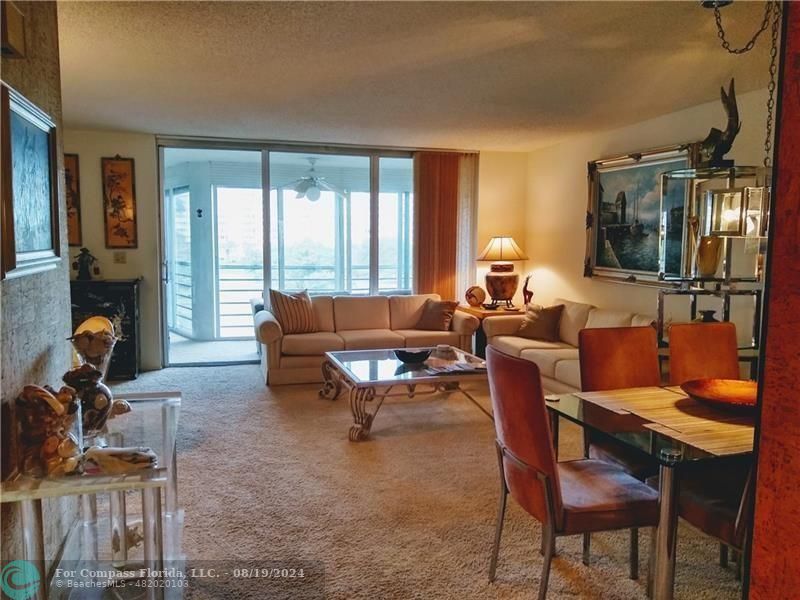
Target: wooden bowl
<point>729,394</point>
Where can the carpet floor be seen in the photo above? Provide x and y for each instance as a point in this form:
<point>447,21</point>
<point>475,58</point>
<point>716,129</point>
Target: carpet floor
<point>267,476</point>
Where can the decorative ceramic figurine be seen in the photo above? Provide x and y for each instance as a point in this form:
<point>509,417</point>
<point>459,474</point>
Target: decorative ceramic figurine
<point>85,263</point>
<point>96,398</point>
<point>527,295</point>
<point>117,461</point>
<point>49,430</point>
<point>475,295</point>
<point>718,143</point>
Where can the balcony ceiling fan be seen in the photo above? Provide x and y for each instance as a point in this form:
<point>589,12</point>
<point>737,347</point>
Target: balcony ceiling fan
<point>312,185</point>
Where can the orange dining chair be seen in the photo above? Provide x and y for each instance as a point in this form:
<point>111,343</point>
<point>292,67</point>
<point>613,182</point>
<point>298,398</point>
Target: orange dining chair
<point>615,358</point>
<point>699,350</point>
<point>716,501</point>
<point>567,498</point>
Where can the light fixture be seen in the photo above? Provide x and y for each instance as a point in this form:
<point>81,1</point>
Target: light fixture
<point>311,186</point>
<point>312,193</point>
<point>501,281</point>
<point>737,212</point>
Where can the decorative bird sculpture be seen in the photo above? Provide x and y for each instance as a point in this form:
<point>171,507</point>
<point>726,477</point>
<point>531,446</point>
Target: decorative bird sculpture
<point>718,143</point>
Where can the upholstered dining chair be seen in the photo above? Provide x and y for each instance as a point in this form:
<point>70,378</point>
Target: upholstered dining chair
<point>698,350</point>
<point>615,358</point>
<point>715,501</point>
<point>567,498</point>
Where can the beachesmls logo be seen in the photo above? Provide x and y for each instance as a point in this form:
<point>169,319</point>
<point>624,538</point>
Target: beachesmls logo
<point>20,580</point>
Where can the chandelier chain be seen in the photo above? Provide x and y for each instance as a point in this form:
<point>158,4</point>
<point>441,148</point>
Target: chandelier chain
<point>768,9</point>
<point>773,76</point>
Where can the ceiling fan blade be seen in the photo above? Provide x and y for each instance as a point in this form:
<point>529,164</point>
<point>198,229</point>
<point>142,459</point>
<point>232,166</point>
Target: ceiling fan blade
<point>290,185</point>
<point>303,185</point>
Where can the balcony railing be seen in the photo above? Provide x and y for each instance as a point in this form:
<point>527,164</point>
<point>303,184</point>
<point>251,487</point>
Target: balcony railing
<point>238,284</point>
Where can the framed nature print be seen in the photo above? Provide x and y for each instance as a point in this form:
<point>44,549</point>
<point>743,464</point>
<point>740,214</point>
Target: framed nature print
<point>630,235</point>
<point>30,238</point>
<point>119,202</point>
<point>72,180</point>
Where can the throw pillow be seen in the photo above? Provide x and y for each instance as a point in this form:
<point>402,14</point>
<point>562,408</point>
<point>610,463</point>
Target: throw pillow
<point>293,311</point>
<point>436,315</point>
<point>541,323</point>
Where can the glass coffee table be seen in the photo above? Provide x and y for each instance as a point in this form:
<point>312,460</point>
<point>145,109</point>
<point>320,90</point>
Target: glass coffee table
<point>371,376</point>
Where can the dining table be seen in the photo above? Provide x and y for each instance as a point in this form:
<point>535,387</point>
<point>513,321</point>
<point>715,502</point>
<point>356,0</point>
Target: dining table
<point>667,425</point>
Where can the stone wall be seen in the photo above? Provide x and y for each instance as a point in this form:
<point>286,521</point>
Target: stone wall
<point>35,309</point>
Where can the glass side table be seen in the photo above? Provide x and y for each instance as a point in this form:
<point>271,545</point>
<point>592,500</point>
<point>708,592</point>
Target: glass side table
<point>153,423</point>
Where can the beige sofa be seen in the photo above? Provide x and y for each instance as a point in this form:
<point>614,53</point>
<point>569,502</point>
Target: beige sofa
<point>557,361</point>
<point>350,323</point>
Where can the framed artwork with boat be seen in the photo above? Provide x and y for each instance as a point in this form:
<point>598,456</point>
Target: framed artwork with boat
<point>633,234</point>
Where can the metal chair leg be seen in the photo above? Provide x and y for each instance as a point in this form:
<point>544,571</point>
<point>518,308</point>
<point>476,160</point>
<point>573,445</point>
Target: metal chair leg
<point>634,553</point>
<point>548,558</point>
<point>651,563</point>
<point>723,555</point>
<point>501,514</point>
<point>587,542</point>
<point>739,562</point>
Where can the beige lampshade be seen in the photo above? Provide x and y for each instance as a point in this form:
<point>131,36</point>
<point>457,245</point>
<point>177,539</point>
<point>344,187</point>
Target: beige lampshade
<point>502,248</point>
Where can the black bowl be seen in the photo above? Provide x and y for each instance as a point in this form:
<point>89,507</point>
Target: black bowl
<point>413,356</point>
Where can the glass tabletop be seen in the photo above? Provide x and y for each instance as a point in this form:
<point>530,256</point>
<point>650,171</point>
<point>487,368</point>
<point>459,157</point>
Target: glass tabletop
<point>382,367</point>
<point>151,423</point>
<point>631,430</point>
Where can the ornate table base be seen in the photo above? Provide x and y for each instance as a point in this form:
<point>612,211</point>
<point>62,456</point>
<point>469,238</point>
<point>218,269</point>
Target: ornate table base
<point>362,397</point>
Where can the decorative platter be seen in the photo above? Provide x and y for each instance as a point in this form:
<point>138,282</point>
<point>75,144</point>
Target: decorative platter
<point>728,394</point>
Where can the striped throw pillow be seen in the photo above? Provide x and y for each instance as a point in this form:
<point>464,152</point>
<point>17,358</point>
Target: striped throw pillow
<point>293,311</point>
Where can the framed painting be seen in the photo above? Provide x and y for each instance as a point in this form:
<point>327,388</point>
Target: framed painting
<point>72,180</point>
<point>632,233</point>
<point>119,202</point>
<point>29,210</point>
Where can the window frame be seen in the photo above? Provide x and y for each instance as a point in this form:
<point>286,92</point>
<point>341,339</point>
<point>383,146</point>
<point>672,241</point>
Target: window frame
<point>343,255</point>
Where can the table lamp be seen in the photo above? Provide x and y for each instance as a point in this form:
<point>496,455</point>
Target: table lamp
<point>501,281</point>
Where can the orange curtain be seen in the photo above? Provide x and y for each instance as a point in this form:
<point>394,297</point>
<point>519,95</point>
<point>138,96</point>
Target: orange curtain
<point>436,199</point>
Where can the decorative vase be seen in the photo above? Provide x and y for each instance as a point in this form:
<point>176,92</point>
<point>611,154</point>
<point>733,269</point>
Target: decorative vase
<point>706,316</point>
<point>95,348</point>
<point>96,398</point>
<point>709,252</point>
<point>501,283</point>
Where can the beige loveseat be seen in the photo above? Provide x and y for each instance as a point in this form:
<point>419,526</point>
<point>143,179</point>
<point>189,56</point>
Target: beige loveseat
<point>351,323</point>
<point>557,361</point>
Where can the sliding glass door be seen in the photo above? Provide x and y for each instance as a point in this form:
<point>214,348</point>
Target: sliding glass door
<point>213,253</point>
<point>331,223</point>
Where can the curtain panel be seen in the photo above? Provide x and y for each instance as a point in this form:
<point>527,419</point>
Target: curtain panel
<point>445,190</point>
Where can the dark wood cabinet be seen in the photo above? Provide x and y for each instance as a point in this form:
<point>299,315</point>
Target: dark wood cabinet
<point>118,300</point>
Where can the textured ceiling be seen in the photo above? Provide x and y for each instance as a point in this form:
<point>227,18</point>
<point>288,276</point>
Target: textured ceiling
<point>486,75</point>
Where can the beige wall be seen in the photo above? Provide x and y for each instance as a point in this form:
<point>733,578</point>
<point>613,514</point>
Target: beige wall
<point>91,146</point>
<point>558,190</point>
<point>502,202</point>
